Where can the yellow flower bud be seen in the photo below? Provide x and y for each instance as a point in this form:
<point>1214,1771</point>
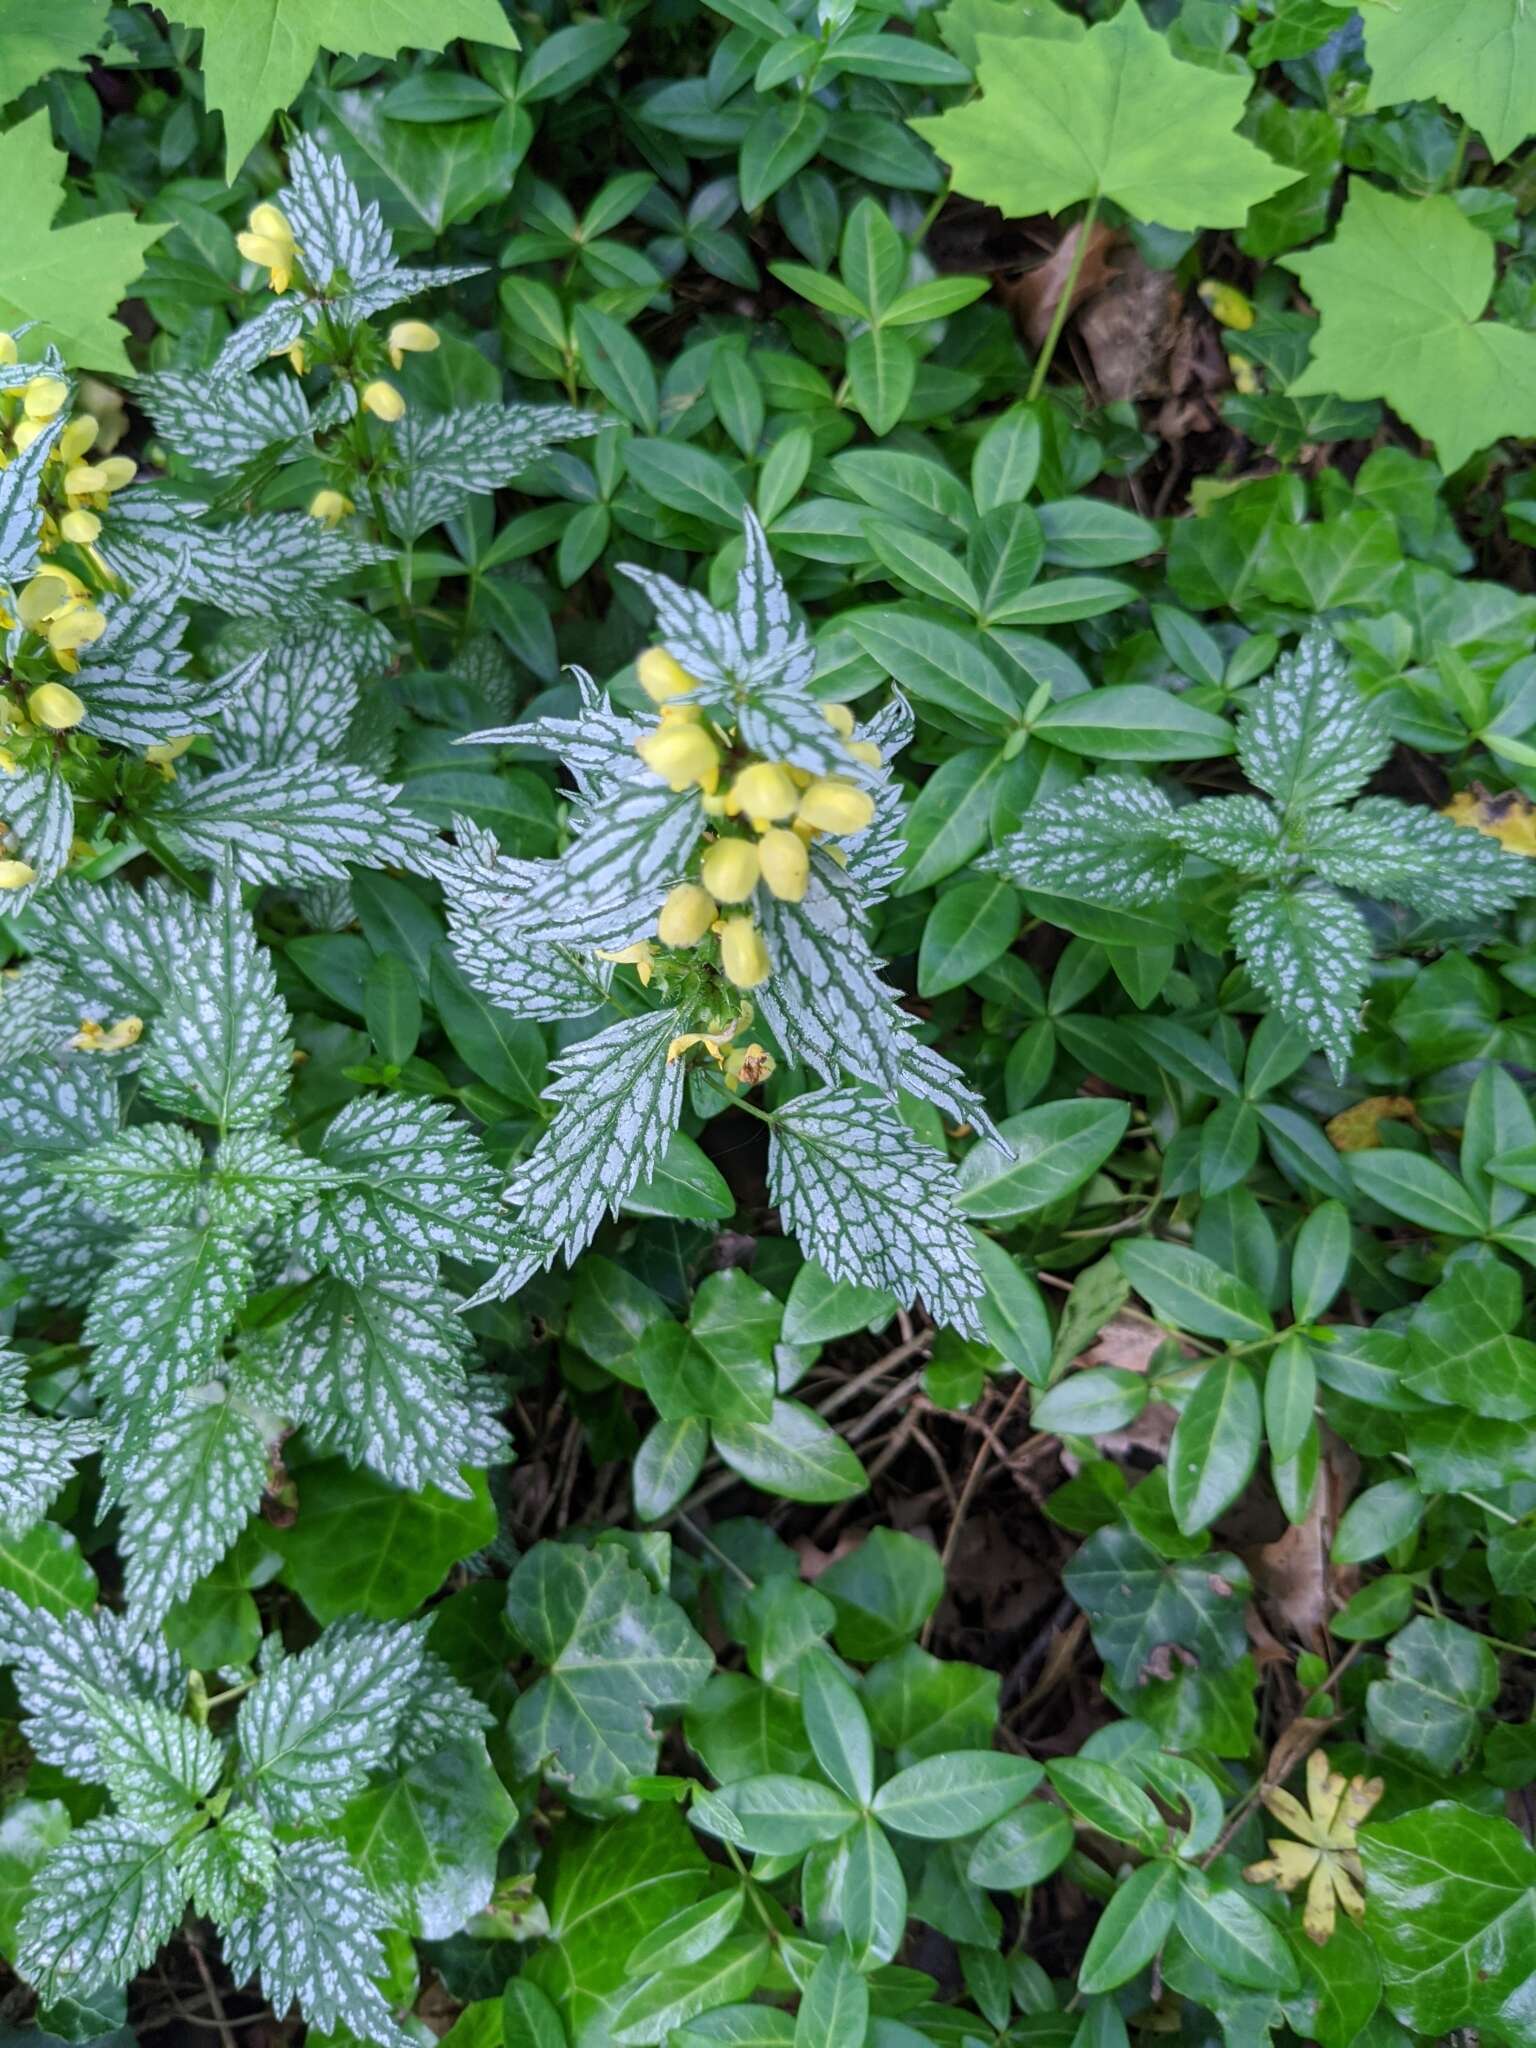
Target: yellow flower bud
<point>411,337</point>
<point>46,595</point>
<point>867,752</point>
<point>80,527</point>
<point>55,706</point>
<point>116,471</point>
<point>786,864</point>
<point>164,752</point>
<point>764,791</point>
<point>15,874</point>
<point>82,479</point>
<point>330,507</point>
<point>661,677</point>
<point>729,870</point>
<point>833,806</point>
<point>681,755</point>
<point>78,438</point>
<point>9,353</point>
<point>640,956</point>
<point>686,916</point>
<point>43,398</point>
<point>267,219</point>
<point>840,718</point>
<point>25,432</point>
<point>268,241</point>
<point>742,952</point>
<point>77,627</point>
<point>383,400</point>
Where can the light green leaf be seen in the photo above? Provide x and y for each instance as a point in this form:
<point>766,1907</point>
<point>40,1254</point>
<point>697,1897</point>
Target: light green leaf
<point>1475,56</point>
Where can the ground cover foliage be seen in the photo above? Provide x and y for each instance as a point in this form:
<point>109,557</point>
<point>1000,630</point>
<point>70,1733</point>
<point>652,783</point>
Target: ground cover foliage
<point>767,864</point>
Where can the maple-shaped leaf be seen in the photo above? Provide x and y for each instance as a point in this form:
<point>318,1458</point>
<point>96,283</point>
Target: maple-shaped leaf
<point>1475,56</point>
<point>1114,115</point>
<point>258,53</point>
<point>69,279</point>
<point>48,35</point>
<point>1400,289</point>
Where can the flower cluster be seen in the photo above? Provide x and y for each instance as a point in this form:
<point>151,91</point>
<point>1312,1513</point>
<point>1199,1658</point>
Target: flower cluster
<point>765,815</point>
<point>73,490</point>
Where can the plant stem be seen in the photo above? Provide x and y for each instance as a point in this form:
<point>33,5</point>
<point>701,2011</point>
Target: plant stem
<point>1064,303</point>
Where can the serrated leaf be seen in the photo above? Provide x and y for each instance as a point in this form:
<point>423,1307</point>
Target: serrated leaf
<point>160,1315</point>
<point>37,1452</point>
<point>870,1203</point>
<point>1109,841</point>
<point>320,1722</point>
<point>315,1941</point>
<point>298,702</point>
<point>1112,115</point>
<point>38,827</point>
<point>187,1491</point>
<point>634,842</point>
<point>1401,288</point>
<point>278,827</point>
<point>1475,56</point>
<point>21,509</point>
<point>1308,736</point>
<point>447,458</point>
<point>218,424</point>
<point>157,1764</point>
<point>1412,855</point>
<point>257,1176</point>
<point>530,979</point>
<point>1310,952</point>
<point>101,1907</point>
<point>151,1169</point>
<point>613,1651</point>
<point>61,1659</point>
<point>1241,832</point>
<point>232,1867</point>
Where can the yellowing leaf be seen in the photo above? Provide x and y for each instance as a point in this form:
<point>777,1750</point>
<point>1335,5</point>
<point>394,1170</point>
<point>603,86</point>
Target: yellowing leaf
<point>1476,56</point>
<point>1509,818</point>
<point>1400,288</point>
<point>68,279</point>
<point>1113,115</point>
<point>257,54</point>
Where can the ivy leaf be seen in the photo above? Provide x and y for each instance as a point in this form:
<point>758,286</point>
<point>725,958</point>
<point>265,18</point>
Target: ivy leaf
<point>257,54</point>
<point>315,1939</point>
<point>1475,56</point>
<point>1141,1605</point>
<point>363,1546</point>
<point>1310,952</point>
<point>426,1840</point>
<point>614,1650</point>
<point>871,1203</point>
<point>67,279</point>
<point>1112,115</point>
<point>1440,1678</point>
<point>101,1907</point>
<point>1400,289</point>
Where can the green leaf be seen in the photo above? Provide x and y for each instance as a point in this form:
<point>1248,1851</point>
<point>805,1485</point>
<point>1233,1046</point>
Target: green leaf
<point>1192,1292</point>
<point>967,929</point>
<point>1135,722</point>
<point>884,1589</point>
<point>427,1839</point>
<point>882,370</point>
<point>834,2009</point>
<point>1416,270</point>
<point>1023,1848</point>
<point>29,1830</point>
<point>1475,56</point>
<point>613,1650</point>
<point>257,54</point>
<point>783,138</point>
<point>1451,1911</point>
<point>955,1794</point>
<point>1460,1347</point>
<point>1229,1933</point>
<point>1114,115</point>
<point>1441,1677</point>
<point>68,279</point>
<point>777,1815</point>
<point>45,1568</point>
<point>361,1546</point>
<point>1215,1444</point>
<point>1142,1605</point>
<point>1417,1188</point>
<point>1132,1928</point>
<point>1377,1520</point>
<point>1055,1147</point>
<point>794,1454</point>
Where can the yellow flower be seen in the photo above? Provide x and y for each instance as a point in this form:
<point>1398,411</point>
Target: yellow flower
<point>661,677</point>
<point>714,1042</point>
<point>267,241</point>
<point>47,596</point>
<point>785,863</point>
<point>78,438</point>
<point>729,870</point>
<point>72,629</point>
<point>840,718</point>
<point>383,400</point>
<point>411,337</point>
<point>117,470</point>
<point>681,755</point>
<point>764,791</point>
<point>686,916</point>
<point>742,952</point>
<point>865,751</point>
<point>748,1065</point>
<point>330,507</point>
<point>1324,1856</point>
<point>641,956</point>
<point>80,527</point>
<point>44,397</point>
<point>9,353</point>
<point>15,874</point>
<point>164,752</point>
<point>833,806</point>
<point>91,1037</point>
<point>85,480</point>
<point>55,707</point>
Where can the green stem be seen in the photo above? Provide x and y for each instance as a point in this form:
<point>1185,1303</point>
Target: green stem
<point>1064,303</point>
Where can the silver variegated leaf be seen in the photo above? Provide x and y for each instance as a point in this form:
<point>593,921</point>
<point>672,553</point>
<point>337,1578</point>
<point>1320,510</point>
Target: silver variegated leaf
<point>59,1660</point>
<point>441,1711</point>
<point>1309,951</point>
<point>447,458</point>
<point>1106,841</point>
<point>133,683</point>
<point>232,1867</point>
<point>635,842</point>
<point>826,1003</point>
<point>620,1100</point>
<point>1241,832</point>
<point>37,1452</point>
<point>872,1204</point>
<point>1408,854</point>
<point>159,1317</point>
<point>597,745</point>
<point>300,703</point>
<point>37,825</point>
<point>220,423</point>
<point>21,510</point>
<point>1308,737</point>
<point>334,230</point>
<point>274,565</point>
<point>156,1762</point>
<point>188,1490</point>
<point>380,1371</point>
<point>121,950</point>
<point>258,1176</point>
<point>318,1723</point>
<point>36,1015</point>
<point>101,1908</point>
<point>281,827</point>
<point>274,329</point>
<point>65,1252</point>
<point>50,1110</point>
<point>315,1942</point>
<point>219,1051</point>
<point>417,1185</point>
<point>148,1170</point>
<point>513,968</point>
